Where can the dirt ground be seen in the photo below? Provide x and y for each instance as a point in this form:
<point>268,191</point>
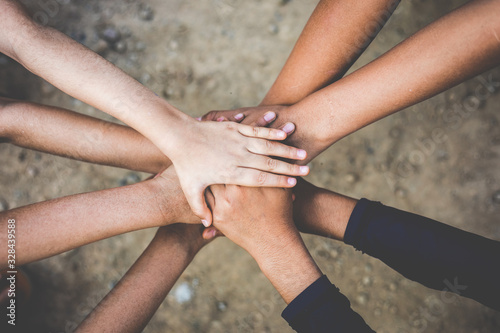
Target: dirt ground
<point>217,54</point>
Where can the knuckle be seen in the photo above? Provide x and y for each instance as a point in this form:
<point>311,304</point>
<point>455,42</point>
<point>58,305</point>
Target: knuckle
<point>262,178</point>
<point>272,163</point>
<point>211,115</point>
<point>269,145</point>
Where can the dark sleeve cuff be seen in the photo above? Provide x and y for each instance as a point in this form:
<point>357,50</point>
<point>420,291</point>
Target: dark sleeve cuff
<point>355,221</point>
<point>307,299</point>
<point>321,308</point>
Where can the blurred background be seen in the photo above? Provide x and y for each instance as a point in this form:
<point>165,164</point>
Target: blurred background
<point>222,54</point>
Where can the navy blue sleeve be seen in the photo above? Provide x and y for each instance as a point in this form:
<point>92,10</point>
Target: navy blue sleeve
<point>321,308</point>
<point>429,252</point>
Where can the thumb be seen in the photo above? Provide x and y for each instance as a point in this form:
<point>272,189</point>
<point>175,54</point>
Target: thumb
<point>211,233</point>
<point>198,205</point>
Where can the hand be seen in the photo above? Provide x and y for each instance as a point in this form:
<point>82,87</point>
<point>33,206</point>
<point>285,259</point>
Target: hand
<point>188,236</point>
<point>260,221</point>
<point>261,116</point>
<point>309,131</point>
<point>231,153</point>
<point>169,186</point>
<point>321,212</point>
<point>253,218</point>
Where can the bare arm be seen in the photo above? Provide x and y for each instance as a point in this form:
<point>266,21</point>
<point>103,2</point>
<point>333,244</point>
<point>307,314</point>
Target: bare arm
<point>134,300</point>
<point>55,226</point>
<point>65,133</point>
<point>456,47</point>
<point>260,221</point>
<point>202,153</point>
<point>335,35</point>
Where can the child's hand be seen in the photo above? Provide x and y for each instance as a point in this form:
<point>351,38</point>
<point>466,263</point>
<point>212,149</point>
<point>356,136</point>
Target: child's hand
<point>231,153</point>
<point>254,116</point>
<point>257,219</point>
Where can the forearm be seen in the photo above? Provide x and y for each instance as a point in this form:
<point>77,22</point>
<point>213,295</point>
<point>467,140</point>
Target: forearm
<point>69,134</point>
<point>335,35</point>
<point>458,46</point>
<point>55,226</point>
<point>132,302</point>
<point>321,212</point>
<point>288,265</point>
<point>429,252</point>
<point>85,75</point>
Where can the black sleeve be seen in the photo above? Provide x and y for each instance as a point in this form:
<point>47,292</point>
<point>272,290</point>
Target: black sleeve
<point>429,252</point>
<point>321,308</point>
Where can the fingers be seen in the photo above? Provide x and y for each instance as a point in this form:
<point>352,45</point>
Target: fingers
<point>265,163</point>
<point>198,205</point>
<point>211,233</point>
<point>288,128</point>
<point>256,178</point>
<point>270,148</point>
<point>262,132</point>
<point>266,119</point>
<point>233,115</point>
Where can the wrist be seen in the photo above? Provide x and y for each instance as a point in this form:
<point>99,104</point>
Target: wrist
<point>290,268</point>
<point>179,126</point>
<point>185,239</point>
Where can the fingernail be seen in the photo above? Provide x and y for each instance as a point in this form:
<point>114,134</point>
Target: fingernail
<point>198,118</point>
<point>304,170</point>
<point>269,116</point>
<point>288,128</point>
<point>205,223</point>
<point>220,119</point>
<point>212,233</point>
<point>302,153</point>
<point>281,135</point>
<point>292,181</point>
<point>239,116</point>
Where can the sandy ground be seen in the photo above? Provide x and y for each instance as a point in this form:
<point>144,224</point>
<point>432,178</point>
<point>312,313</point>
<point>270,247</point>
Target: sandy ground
<point>216,54</point>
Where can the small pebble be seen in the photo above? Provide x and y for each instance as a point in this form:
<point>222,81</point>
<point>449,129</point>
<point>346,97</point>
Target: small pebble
<point>367,281</point>
<point>120,47</point>
<point>146,13</point>
<point>22,156</point>
<point>334,253</point>
<point>368,268</point>
<point>496,197</point>
<point>393,286</point>
<point>32,171</point>
<point>401,193</point>
<point>183,293</point>
<point>110,34</point>
<point>173,44</point>
<point>351,178</point>
<point>4,205</point>
<point>101,47</point>
<point>221,306</point>
<point>362,298</point>
<point>273,29</point>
